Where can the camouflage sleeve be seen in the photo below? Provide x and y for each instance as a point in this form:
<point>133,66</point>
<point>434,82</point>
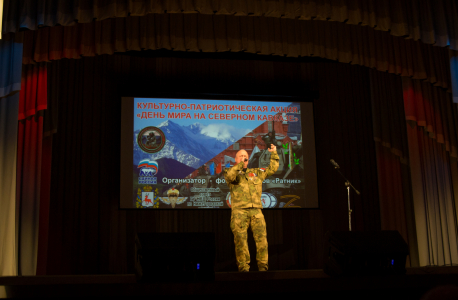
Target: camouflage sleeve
<point>231,174</point>
<point>274,163</point>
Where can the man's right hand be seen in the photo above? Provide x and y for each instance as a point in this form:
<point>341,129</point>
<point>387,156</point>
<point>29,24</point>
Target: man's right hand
<point>272,148</point>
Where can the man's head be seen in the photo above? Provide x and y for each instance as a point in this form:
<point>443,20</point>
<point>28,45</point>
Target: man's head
<point>241,156</point>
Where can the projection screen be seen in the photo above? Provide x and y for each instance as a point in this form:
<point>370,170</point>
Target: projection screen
<point>174,150</point>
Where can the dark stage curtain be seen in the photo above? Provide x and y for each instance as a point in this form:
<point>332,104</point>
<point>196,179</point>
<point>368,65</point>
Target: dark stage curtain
<point>390,135</point>
<point>49,128</point>
<point>431,21</point>
<point>260,35</point>
<point>88,234</point>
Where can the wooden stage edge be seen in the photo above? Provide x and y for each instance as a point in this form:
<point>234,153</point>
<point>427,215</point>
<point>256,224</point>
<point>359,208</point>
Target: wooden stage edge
<point>305,283</point>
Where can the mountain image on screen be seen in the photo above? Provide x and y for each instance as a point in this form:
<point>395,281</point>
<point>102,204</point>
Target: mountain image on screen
<point>219,132</point>
<point>170,168</point>
<point>192,145</point>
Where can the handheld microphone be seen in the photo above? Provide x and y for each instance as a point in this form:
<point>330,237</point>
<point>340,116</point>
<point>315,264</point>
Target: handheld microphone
<point>334,164</point>
<point>245,160</point>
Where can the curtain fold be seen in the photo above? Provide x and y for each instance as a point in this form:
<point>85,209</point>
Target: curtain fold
<point>433,199</point>
<point>390,138</point>
<point>10,84</point>
<point>10,73</point>
<point>388,112</point>
<point>429,21</point>
<point>432,108</point>
<point>261,35</point>
<point>33,100</point>
<point>49,128</point>
<point>429,191</point>
<point>432,142</point>
<point>8,139</point>
<point>33,96</point>
<point>422,204</point>
<point>395,199</point>
<point>43,215</point>
<point>28,191</point>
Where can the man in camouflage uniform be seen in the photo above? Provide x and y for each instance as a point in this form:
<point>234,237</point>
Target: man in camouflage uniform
<point>245,186</point>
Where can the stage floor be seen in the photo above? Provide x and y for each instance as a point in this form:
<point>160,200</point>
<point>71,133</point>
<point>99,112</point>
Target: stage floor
<point>304,283</point>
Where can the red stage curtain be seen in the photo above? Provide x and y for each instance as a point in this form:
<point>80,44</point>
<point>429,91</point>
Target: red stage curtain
<point>33,100</point>
<point>33,96</point>
<point>429,21</point>
<point>431,108</point>
<point>261,35</point>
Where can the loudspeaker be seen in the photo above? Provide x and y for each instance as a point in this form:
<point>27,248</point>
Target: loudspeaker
<point>175,257</point>
<point>365,253</point>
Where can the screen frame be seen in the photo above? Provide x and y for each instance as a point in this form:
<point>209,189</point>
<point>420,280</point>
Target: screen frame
<point>127,126</point>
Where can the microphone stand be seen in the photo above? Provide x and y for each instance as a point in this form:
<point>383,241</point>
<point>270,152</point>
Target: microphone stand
<point>348,185</point>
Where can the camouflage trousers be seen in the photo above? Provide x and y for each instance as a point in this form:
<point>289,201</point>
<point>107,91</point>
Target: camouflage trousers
<point>241,219</point>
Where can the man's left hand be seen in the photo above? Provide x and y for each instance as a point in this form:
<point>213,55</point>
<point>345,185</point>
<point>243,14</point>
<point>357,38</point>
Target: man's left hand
<point>272,148</point>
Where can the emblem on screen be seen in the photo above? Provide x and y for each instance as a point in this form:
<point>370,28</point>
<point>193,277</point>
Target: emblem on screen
<point>147,197</point>
<point>148,169</point>
<point>268,200</point>
<point>228,199</point>
<point>173,198</point>
<point>151,139</point>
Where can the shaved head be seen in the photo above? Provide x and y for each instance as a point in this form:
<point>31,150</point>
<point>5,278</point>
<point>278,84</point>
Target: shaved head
<point>241,156</point>
<point>240,152</point>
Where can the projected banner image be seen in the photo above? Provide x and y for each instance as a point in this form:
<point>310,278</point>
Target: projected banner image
<point>181,148</point>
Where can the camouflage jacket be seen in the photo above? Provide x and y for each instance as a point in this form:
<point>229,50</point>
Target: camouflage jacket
<point>246,187</point>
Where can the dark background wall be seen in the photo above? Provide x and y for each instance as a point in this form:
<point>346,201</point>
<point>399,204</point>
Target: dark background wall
<point>89,234</point>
